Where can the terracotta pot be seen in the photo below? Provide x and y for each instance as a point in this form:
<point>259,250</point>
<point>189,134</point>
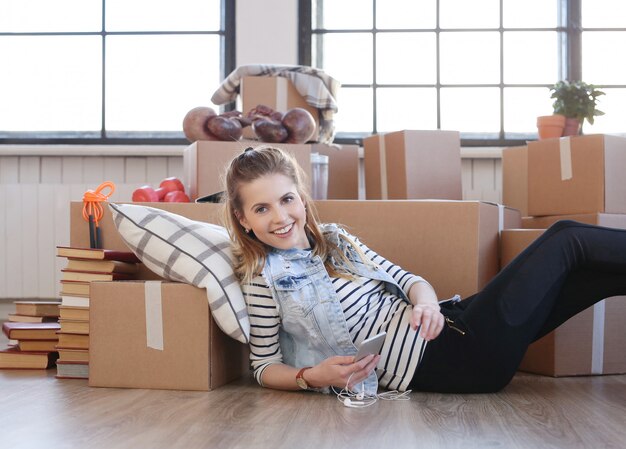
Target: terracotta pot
<point>550,126</point>
<point>572,127</point>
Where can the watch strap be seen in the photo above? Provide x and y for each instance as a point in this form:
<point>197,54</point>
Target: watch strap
<point>302,383</point>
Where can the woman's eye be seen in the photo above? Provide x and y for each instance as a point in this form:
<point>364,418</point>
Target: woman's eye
<point>260,210</point>
<point>288,199</point>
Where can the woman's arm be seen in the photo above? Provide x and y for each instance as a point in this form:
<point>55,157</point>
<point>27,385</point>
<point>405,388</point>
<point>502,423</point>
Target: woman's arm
<point>426,311</point>
<point>335,371</point>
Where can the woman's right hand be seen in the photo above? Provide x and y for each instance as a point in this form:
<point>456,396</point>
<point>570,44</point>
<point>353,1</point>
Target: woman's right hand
<point>338,370</point>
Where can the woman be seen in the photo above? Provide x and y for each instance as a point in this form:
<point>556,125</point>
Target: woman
<point>314,293</point>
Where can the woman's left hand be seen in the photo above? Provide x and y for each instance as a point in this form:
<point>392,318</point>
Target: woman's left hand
<point>429,317</point>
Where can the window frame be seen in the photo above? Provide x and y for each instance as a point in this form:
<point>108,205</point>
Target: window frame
<point>569,30</point>
<point>227,65</point>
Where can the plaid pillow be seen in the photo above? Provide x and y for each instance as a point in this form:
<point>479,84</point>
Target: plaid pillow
<point>183,250</point>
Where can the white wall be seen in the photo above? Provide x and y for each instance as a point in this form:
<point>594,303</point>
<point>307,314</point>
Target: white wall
<point>267,32</point>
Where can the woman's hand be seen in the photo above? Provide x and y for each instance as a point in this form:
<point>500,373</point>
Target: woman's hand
<point>338,370</point>
<point>429,317</point>
<point>426,311</point>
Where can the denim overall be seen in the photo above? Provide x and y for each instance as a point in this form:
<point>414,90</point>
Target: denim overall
<point>313,324</point>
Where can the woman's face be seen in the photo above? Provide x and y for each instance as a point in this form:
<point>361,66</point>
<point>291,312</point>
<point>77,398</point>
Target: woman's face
<point>274,211</point>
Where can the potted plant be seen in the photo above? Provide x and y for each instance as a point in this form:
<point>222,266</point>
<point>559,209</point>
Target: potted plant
<point>577,101</point>
<point>549,126</point>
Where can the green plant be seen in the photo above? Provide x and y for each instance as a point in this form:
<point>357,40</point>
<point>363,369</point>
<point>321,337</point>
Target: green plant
<point>576,99</point>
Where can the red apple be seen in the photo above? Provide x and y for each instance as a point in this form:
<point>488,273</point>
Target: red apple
<point>171,184</point>
<point>145,194</point>
<point>176,197</point>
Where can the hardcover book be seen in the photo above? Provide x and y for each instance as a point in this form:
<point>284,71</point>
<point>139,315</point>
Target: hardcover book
<point>37,308</point>
<point>72,370</point>
<point>31,319</point>
<point>88,276</point>
<point>74,327</point>
<point>38,345</point>
<point>72,341</point>
<point>96,254</point>
<point>12,358</point>
<point>101,266</point>
<point>74,313</point>
<point>31,331</point>
<point>70,300</point>
<point>73,355</point>
<point>74,288</point>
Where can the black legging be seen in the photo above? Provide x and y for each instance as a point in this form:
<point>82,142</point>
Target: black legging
<point>570,267</point>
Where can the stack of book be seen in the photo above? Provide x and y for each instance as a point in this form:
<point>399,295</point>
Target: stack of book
<point>32,333</point>
<point>84,265</point>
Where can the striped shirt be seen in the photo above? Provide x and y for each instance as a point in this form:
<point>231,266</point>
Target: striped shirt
<point>368,310</point>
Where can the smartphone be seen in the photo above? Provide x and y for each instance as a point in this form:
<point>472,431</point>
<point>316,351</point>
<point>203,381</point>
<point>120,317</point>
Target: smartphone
<point>372,345</point>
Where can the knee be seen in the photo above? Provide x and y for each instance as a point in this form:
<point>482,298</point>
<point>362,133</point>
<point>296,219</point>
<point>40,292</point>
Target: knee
<point>563,224</point>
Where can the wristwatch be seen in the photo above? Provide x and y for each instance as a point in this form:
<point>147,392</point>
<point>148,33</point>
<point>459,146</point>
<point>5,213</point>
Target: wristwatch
<point>300,379</point>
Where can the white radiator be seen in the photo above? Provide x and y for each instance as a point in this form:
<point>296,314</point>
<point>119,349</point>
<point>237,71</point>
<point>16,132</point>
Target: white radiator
<point>35,193</point>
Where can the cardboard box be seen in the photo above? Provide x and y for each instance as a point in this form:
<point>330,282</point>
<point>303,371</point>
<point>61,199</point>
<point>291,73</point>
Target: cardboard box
<point>278,93</point>
<point>515,178</point>
<point>577,175</point>
<point>591,342</point>
<point>413,165</point>
<point>163,338</point>
<point>205,163</point>
<point>111,239</point>
<point>453,244</point>
<point>608,220</point>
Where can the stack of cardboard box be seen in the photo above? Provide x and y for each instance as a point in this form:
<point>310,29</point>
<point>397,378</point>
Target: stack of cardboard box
<point>576,178</point>
<point>452,243</point>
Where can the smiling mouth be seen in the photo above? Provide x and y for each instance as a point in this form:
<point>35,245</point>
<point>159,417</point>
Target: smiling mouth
<point>284,230</point>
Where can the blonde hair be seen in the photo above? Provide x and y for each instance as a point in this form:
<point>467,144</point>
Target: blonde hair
<point>250,253</point>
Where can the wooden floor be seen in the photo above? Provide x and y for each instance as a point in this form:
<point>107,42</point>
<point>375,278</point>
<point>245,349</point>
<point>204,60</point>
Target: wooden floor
<point>39,411</point>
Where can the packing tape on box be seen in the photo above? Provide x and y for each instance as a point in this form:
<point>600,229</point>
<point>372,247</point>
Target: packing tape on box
<point>597,338</point>
<point>383,167</point>
<point>281,100</point>
<point>565,150</point>
<point>154,315</point>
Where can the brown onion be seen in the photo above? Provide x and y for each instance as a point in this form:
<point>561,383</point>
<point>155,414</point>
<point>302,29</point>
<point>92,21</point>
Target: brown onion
<point>270,131</point>
<point>225,128</point>
<point>194,124</point>
<point>300,125</point>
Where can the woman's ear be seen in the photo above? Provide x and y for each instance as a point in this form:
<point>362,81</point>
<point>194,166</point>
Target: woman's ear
<point>242,220</point>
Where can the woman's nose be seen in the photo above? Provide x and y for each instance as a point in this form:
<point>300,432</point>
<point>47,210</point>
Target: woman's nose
<point>279,215</point>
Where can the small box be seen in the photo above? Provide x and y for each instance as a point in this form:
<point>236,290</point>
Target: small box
<point>158,335</point>
<point>413,165</point>
<point>515,178</point>
<point>278,93</point>
<point>452,244</point>
<point>205,164</point>
<point>591,342</point>
<point>577,175</point>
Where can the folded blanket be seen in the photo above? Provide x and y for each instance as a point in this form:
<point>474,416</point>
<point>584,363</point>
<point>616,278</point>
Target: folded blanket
<point>318,89</point>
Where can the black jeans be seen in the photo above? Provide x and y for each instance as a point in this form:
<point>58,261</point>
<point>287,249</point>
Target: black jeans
<point>567,269</point>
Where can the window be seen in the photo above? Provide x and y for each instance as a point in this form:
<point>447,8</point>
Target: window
<point>98,71</point>
<point>481,67</point>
